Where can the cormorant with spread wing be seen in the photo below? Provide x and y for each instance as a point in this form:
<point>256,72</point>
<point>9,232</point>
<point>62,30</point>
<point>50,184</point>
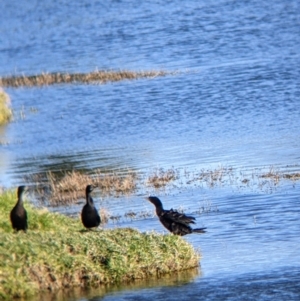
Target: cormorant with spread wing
<point>175,222</point>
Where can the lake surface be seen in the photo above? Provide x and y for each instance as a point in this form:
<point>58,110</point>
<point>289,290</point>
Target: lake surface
<point>234,103</point>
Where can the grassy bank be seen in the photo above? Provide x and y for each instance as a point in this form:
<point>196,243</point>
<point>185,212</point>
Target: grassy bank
<point>5,111</point>
<point>100,77</point>
<point>58,253</point>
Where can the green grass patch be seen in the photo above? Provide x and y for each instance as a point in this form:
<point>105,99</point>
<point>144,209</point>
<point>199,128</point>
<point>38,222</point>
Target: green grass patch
<point>57,253</point>
<point>5,111</point>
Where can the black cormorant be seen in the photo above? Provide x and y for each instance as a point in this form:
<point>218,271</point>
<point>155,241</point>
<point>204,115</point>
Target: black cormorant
<point>18,215</point>
<point>89,214</point>
<point>175,222</point>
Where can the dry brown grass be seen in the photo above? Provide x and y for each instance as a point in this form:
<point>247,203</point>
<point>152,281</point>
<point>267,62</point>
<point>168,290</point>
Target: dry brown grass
<point>211,177</point>
<point>70,186</point>
<point>5,111</point>
<point>292,176</point>
<point>100,77</point>
<point>118,183</point>
<point>272,174</point>
<point>276,175</point>
<point>160,177</point>
<point>66,187</point>
<point>105,215</point>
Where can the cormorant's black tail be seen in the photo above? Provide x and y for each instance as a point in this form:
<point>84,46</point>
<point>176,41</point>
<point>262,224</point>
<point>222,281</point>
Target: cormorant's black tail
<point>199,230</point>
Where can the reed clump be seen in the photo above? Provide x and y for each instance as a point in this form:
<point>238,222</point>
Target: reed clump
<point>160,177</point>
<point>69,186</point>
<point>120,183</point>
<point>272,174</point>
<point>66,187</point>
<point>100,77</point>
<point>292,176</point>
<point>211,178</point>
<point>5,111</point>
<point>57,253</point>
<point>276,175</point>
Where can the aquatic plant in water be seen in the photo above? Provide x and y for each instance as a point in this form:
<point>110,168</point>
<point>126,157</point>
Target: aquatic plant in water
<point>100,77</point>
<point>5,111</point>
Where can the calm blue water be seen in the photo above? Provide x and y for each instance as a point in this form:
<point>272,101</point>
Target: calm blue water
<point>235,101</point>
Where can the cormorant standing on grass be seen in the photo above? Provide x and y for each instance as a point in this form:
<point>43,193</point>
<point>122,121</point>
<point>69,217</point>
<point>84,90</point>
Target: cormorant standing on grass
<point>89,214</point>
<point>18,215</point>
<point>175,222</point>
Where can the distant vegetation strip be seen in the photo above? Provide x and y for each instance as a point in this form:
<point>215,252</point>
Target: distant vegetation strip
<point>100,77</point>
<point>57,253</point>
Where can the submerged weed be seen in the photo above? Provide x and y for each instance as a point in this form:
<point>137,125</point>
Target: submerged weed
<point>160,177</point>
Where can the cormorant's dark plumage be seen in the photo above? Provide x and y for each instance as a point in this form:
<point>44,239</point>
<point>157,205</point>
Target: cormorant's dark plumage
<point>18,215</point>
<point>175,222</point>
<point>89,214</point>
